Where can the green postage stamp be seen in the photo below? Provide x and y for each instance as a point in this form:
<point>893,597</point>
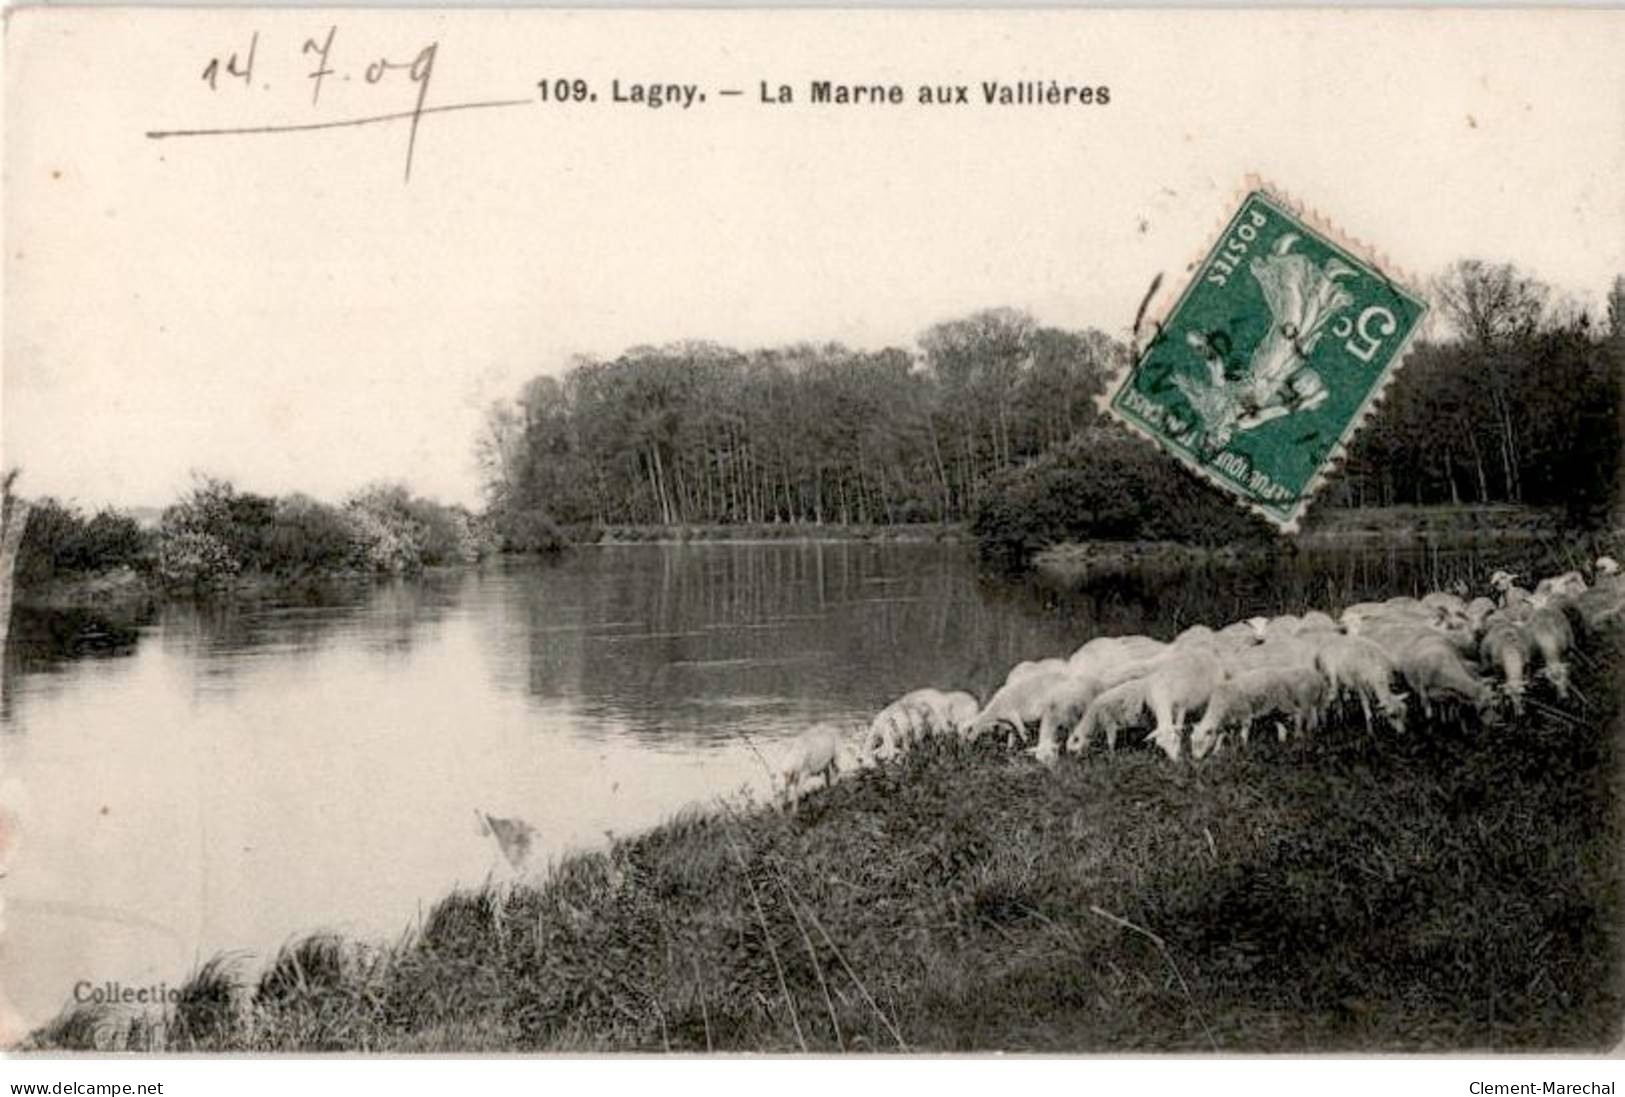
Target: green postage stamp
<point>1271,358</point>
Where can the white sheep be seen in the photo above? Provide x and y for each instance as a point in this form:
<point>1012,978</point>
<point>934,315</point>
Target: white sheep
<point>1555,589</point>
<point>1505,583</point>
<point>1444,601</point>
<point>1297,693</point>
<point>1029,667</point>
<point>915,717</point>
<point>1114,711</point>
<point>812,753</point>
<point>1431,667</point>
<point>1509,648</point>
<point>1107,651</point>
<point>1356,666</point>
<point>1239,635</point>
<point>1180,686</point>
<point>1064,706</point>
<point>1281,650</point>
<point>1478,611</point>
<point>1554,638</point>
<point>1602,604</point>
<point>1316,622</point>
<point>1018,705</point>
<point>1196,635</point>
<point>888,732</point>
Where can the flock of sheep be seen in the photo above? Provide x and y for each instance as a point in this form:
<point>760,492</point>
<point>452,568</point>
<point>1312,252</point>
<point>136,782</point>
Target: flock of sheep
<point>1286,672</point>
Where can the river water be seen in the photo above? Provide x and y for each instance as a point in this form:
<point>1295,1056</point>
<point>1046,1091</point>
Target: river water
<point>228,776</point>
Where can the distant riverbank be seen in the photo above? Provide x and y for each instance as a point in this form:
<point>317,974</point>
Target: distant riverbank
<point>1420,527</point>
<point>756,532</point>
<point>1441,527</point>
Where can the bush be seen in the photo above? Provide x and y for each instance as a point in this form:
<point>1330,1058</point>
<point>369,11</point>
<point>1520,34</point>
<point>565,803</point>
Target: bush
<point>189,557</point>
<point>309,537</point>
<point>530,531</point>
<point>389,538</point>
<point>204,537</point>
<point>1104,485</point>
<point>59,541</point>
<point>215,532</point>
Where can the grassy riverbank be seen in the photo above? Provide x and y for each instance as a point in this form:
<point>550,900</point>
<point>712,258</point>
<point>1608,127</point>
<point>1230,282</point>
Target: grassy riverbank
<point>1453,889</point>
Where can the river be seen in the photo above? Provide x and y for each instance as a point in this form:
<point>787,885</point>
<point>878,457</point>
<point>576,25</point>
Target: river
<point>227,776</point>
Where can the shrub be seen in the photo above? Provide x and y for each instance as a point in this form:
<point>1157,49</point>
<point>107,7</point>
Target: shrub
<point>309,537</point>
<point>194,558</point>
<point>1104,485</point>
<point>203,537</point>
<point>59,541</point>
<point>388,536</point>
<point>529,531</point>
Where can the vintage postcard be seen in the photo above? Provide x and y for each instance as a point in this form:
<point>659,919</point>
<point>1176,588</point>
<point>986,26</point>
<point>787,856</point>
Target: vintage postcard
<point>835,532</point>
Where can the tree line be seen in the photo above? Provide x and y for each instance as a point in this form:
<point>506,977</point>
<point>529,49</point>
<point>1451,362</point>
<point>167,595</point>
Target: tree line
<point>1522,403</point>
<point>215,533</point>
<point>990,420</point>
<point>1518,401</point>
<point>814,433</point>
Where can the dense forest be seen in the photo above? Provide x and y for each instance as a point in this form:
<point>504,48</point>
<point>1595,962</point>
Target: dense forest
<point>1519,401</point>
<point>700,433</point>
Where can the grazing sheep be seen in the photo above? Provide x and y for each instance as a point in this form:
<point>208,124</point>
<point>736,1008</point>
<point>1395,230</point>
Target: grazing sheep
<point>1298,693</point>
<point>1019,704</point>
<point>1549,628</point>
<point>1179,683</point>
<point>1030,667</point>
<point>1063,708</point>
<point>1278,651</point>
<point>1505,583</point>
<point>1237,636</point>
<point>1433,670</point>
<point>1357,666</point>
<point>1108,651</point>
<point>1478,610</point>
<point>1509,648</point>
<point>1602,605</point>
<point>1445,602</point>
<point>939,713</point>
<point>915,717</point>
<point>1183,685</point>
<point>888,732</point>
<point>1283,627</point>
<point>809,754</point>
<point>1197,635</point>
<point>1459,634</point>
<point>1317,622</point>
<point>1362,609</point>
<point>1557,588</point>
<point>1114,711</point>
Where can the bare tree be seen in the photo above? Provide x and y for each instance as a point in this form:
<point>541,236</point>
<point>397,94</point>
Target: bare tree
<point>1495,308</point>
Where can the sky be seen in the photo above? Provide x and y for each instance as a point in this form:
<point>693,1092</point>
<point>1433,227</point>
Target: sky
<point>288,311</point>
